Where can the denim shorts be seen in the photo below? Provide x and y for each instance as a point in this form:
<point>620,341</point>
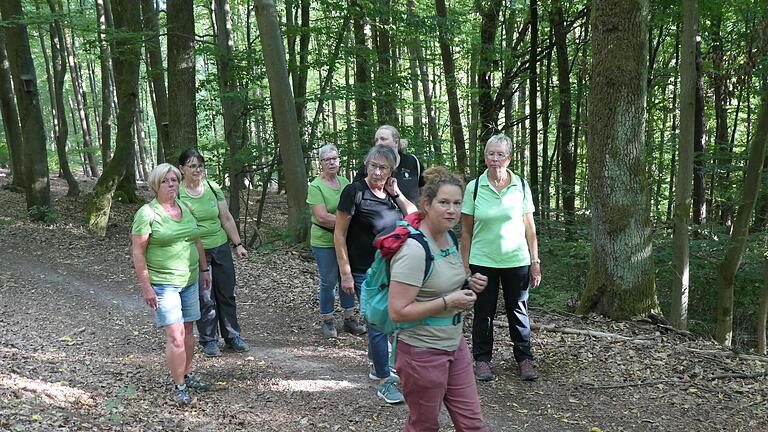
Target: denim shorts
<point>176,304</point>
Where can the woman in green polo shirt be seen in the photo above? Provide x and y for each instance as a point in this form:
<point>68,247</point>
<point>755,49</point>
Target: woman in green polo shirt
<point>168,258</point>
<point>218,308</point>
<point>498,239</point>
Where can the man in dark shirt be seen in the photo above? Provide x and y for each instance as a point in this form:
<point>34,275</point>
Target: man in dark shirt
<point>408,170</point>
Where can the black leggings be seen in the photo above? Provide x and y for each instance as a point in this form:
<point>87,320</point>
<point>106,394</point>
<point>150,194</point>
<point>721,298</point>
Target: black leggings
<point>514,283</point>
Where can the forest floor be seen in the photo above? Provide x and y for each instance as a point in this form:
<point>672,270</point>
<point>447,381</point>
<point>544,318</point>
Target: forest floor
<point>79,351</point>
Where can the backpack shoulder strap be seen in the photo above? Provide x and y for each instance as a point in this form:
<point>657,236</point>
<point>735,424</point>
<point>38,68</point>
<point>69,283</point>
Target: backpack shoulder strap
<point>453,237</point>
<point>477,185</point>
<point>213,190</point>
<point>428,257</point>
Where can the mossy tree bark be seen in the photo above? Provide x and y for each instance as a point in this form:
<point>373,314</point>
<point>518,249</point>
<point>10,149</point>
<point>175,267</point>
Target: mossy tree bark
<point>125,62</point>
<point>621,275</point>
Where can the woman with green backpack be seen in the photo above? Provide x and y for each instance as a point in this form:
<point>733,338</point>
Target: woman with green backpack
<point>433,361</point>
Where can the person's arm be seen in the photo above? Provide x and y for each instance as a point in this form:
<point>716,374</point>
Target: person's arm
<point>403,306</point>
<point>205,269</point>
<point>320,212</point>
<point>533,249</point>
<point>467,223</point>
<point>342,254</point>
<point>230,227</point>
<point>139,256</point>
<point>406,207</point>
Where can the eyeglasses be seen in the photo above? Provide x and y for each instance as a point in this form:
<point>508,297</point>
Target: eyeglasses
<point>195,167</point>
<point>374,166</point>
<point>497,155</point>
<point>330,159</point>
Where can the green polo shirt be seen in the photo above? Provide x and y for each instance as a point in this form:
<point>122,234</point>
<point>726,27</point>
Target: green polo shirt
<point>205,208</point>
<point>320,193</point>
<point>171,255</point>
<point>498,234</point>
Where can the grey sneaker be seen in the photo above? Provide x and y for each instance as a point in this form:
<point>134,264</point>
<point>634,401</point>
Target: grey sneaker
<point>483,371</point>
<point>181,395</point>
<point>194,383</point>
<point>390,393</point>
<point>527,371</point>
<point>392,375</point>
<point>211,349</point>
<point>239,345</point>
<point>329,329</point>
<point>353,326</point>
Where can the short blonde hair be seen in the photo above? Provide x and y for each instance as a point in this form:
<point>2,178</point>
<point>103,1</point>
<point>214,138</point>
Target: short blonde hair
<point>157,174</point>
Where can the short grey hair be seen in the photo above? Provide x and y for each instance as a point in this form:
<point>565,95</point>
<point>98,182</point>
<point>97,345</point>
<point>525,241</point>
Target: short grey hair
<point>324,150</point>
<point>156,176</point>
<point>382,152</point>
<point>500,139</point>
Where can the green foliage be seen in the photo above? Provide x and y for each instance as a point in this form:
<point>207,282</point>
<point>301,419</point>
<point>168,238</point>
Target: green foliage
<point>112,406</point>
<point>44,215</point>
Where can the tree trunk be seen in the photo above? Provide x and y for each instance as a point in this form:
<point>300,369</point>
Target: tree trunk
<point>77,88</point>
<point>722,158</point>
<point>286,126</point>
<point>621,275</point>
<point>488,122</point>
<point>141,146</point>
<point>457,131</point>
<point>533,117</point>
<point>155,70</point>
<point>182,111</point>
<point>429,107</point>
<point>737,242</point>
<point>105,64</point>
<point>11,120</point>
<point>231,103</point>
<point>362,88</point>
<point>682,209</point>
<point>385,83</point>
<point>125,62</point>
<point>412,44</point>
<point>60,118</point>
<point>34,159</point>
<point>762,314</point>
<point>564,125</point>
<point>699,211</point>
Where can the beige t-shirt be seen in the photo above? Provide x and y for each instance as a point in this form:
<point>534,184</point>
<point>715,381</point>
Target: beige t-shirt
<point>407,266</point>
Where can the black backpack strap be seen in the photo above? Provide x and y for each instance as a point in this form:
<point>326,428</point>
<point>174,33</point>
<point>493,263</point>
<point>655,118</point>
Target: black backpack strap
<point>428,257</point>
<point>213,191</point>
<point>453,237</point>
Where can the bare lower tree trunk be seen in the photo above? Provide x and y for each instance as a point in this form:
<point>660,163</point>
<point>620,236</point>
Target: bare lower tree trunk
<point>155,70</point>
<point>682,209</point>
<point>105,64</point>
<point>182,111</point>
<point>286,126</point>
<point>36,183</point>
<point>564,125</point>
<point>621,280</point>
<point>125,61</point>
<point>738,240</point>
<point>457,131</point>
<point>10,117</point>
<point>762,314</point>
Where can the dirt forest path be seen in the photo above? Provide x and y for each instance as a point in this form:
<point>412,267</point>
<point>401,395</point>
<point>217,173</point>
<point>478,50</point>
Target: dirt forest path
<point>78,351</point>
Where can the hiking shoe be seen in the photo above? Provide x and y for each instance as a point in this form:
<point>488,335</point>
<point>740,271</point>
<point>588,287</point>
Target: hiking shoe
<point>483,371</point>
<point>353,326</point>
<point>181,395</point>
<point>389,392</point>
<point>392,375</point>
<point>211,349</point>
<point>527,371</point>
<point>329,329</point>
<point>238,344</point>
<point>194,383</point>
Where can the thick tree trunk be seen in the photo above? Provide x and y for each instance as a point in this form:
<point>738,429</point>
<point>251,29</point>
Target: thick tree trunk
<point>489,118</point>
<point>105,64</point>
<point>682,209</point>
<point>621,275</point>
<point>10,120</point>
<point>60,118</point>
<point>231,103</point>
<point>564,125</point>
<point>738,240</point>
<point>457,131</point>
<point>125,61</point>
<point>36,183</point>
<point>155,70</point>
<point>286,124</point>
<point>363,108</point>
<point>385,82</point>
<point>182,111</point>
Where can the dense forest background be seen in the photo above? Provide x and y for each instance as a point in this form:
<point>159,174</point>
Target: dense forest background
<point>641,126</point>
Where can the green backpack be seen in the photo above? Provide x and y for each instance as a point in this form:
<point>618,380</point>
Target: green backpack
<point>374,293</point>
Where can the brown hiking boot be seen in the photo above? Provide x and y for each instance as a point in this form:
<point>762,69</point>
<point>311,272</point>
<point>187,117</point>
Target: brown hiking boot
<point>527,371</point>
<point>483,371</point>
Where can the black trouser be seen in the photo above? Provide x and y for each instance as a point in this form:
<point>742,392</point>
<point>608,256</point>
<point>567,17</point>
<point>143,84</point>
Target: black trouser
<point>514,282</point>
<point>217,305</point>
